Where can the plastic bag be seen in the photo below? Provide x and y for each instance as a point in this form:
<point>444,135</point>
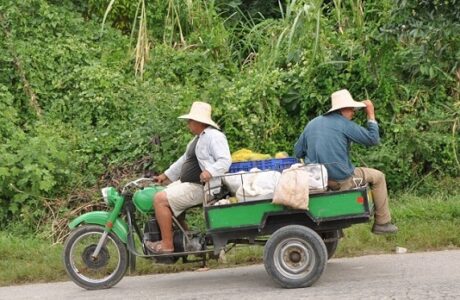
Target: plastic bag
<point>246,154</point>
<point>317,177</point>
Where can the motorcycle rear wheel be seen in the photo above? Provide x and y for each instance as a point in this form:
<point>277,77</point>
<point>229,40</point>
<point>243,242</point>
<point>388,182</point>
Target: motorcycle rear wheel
<point>90,273</point>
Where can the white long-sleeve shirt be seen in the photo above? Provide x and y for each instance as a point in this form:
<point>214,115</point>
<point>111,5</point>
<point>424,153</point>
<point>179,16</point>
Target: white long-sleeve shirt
<point>212,153</point>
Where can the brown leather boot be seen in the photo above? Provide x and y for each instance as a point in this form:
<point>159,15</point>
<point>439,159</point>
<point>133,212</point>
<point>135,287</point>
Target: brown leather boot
<point>387,228</point>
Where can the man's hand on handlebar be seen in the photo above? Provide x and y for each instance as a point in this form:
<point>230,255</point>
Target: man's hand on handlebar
<point>162,179</point>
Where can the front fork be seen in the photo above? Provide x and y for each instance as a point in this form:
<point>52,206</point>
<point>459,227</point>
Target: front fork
<point>100,244</point>
<point>108,226</point>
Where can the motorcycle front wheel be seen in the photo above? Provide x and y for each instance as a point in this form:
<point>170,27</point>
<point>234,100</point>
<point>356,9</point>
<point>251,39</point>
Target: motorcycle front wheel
<point>92,273</point>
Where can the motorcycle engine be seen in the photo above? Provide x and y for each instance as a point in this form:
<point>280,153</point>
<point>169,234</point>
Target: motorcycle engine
<point>181,243</point>
<point>152,231</point>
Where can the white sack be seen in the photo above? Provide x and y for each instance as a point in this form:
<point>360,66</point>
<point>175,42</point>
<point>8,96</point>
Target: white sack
<point>258,186</point>
<point>234,180</point>
<point>317,177</point>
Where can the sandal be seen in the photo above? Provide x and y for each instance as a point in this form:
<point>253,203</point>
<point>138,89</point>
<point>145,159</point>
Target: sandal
<point>157,248</point>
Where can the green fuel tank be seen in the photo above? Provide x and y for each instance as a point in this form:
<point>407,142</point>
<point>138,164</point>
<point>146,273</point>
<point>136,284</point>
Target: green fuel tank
<point>143,198</point>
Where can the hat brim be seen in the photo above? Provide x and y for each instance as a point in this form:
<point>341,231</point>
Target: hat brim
<point>355,104</point>
<point>200,119</point>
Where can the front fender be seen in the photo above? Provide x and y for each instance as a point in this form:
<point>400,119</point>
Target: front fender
<point>100,218</point>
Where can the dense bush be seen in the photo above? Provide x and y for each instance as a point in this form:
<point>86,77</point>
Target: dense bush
<point>71,107</point>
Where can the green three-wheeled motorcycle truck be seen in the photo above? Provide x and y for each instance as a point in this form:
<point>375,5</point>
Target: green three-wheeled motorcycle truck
<point>297,243</point>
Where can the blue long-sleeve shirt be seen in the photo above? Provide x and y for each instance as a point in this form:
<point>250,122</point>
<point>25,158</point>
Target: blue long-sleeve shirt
<point>326,140</point>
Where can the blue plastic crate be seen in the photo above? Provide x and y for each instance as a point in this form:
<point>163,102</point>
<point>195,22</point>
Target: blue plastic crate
<point>277,164</point>
<point>242,166</point>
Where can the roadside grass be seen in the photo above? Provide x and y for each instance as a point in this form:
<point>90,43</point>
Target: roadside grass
<point>29,259</point>
<point>425,223</point>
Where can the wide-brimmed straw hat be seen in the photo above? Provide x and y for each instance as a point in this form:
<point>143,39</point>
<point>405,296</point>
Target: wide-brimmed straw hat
<point>200,112</point>
<point>342,99</point>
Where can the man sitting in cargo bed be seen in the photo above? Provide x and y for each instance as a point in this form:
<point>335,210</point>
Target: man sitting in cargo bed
<point>327,139</point>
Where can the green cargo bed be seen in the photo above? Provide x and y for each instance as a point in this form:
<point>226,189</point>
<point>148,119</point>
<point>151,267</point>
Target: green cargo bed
<point>322,207</point>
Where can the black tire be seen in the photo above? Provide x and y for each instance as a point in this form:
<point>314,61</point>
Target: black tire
<point>295,256</point>
<point>331,246</point>
<point>85,271</point>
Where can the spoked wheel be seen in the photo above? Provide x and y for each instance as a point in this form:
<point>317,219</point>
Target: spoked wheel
<point>101,272</point>
<point>295,256</point>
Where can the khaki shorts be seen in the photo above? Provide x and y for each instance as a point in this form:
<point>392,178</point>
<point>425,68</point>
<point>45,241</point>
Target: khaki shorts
<point>182,195</point>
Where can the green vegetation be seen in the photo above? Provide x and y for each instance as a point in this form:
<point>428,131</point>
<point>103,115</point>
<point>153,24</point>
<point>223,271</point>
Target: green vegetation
<point>425,224</point>
<point>74,116</point>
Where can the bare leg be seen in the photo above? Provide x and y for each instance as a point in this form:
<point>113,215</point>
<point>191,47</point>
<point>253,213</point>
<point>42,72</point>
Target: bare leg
<point>163,215</point>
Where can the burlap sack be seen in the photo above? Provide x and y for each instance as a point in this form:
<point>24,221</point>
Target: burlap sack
<point>292,189</point>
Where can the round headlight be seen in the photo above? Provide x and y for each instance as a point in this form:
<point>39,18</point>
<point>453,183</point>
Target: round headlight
<point>110,195</point>
<point>105,195</point>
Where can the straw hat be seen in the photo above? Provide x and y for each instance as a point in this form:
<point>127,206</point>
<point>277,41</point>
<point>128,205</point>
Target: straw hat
<point>200,112</point>
<point>342,99</point>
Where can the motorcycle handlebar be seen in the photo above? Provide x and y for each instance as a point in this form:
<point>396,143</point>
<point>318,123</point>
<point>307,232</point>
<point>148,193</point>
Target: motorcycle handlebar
<point>135,182</point>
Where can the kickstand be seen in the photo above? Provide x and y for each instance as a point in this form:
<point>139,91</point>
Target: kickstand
<point>204,261</point>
